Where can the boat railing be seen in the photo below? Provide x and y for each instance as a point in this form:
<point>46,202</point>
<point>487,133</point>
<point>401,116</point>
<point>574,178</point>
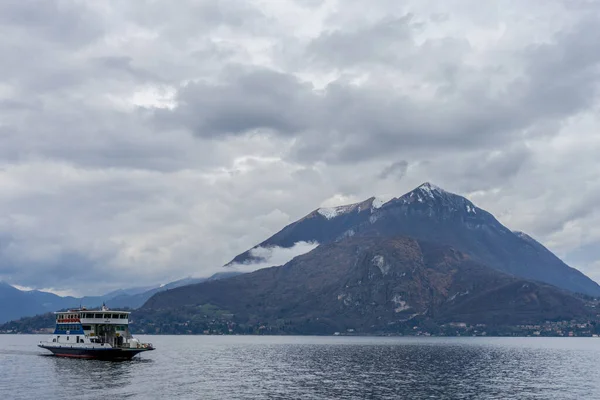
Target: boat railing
<point>138,345</point>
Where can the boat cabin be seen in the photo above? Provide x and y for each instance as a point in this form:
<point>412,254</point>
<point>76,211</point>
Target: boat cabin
<point>102,327</point>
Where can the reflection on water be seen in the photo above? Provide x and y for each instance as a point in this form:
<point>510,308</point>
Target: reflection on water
<point>92,374</point>
<point>314,368</point>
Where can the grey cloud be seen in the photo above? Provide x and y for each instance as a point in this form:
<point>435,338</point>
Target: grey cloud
<point>198,14</point>
<point>579,207</point>
<point>250,100</point>
<point>68,271</point>
<point>125,65</point>
<point>347,122</point>
<point>383,42</point>
<point>65,23</point>
<point>396,170</point>
<point>562,75</point>
<point>480,169</point>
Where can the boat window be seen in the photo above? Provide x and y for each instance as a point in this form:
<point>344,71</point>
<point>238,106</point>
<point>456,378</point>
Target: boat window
<point>86,327</point>
<point>115,316</point>
<point>123,316</point>
<point>54,340</point>
<point>106,316</point>
<point>67,338</point>
<point>98,315</point>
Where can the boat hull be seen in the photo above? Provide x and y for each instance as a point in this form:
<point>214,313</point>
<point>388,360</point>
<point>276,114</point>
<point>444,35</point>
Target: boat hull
<point>98,354</point>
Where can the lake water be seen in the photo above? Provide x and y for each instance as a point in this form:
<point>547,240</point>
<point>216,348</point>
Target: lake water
<point>250,367</point>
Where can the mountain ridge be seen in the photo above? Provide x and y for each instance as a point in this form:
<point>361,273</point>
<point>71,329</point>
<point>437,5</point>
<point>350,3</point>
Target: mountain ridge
<point>433,214</point>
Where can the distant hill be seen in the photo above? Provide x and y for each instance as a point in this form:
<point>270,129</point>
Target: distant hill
<point>16,304</point>
<point>370,285</point>
<point>432,214</point>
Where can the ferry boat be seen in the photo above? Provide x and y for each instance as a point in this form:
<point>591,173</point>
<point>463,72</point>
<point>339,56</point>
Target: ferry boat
<point>101,334</point>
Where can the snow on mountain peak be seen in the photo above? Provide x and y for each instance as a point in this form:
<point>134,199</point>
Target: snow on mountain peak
<point>332,212</point>
<point>373,203</point>
<point>432,195</point>
<point>430,189</point>
<point>377,203</point>
<point>421,194</point>
<point>329,212</point>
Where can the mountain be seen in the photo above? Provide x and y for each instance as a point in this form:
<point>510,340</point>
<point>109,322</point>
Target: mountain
<point>432,214</point>
<point>370,285</point>
<point>15,303</point>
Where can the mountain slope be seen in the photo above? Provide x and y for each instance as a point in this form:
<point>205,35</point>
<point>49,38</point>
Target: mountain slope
<point>432,214</point>
<point>136,300</point>
<point>372,285</point>
<point>322,225</point>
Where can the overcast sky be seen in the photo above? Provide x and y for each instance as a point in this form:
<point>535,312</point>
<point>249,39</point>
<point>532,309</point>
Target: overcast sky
<point>145,141</point>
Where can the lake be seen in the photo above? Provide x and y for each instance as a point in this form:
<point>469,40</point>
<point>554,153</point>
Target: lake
<point>295,367</point>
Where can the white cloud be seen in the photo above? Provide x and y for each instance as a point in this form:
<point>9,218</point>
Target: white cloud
<point>273,256</point>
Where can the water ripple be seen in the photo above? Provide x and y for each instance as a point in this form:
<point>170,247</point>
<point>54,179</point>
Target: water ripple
<point>243,367</point>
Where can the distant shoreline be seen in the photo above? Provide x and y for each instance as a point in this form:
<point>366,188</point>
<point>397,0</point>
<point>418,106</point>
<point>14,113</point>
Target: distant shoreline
<point>344,336</point>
